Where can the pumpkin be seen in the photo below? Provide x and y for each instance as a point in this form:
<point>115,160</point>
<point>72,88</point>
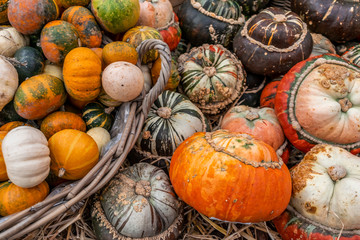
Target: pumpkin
<point>30,16</point>
<point>82,69</point>
<point>38,96</point>
<point>145,206</point>
<point>73,154</point>
<point>11,40</point>
<point>95,115</point>
<point>174,79</point>
<point>119,51</point>
<point>210,21</point>
<point>267,97</point>
<point>154,13</point>
<point>137,35</point>
<point>254,84</point>
<point>337,20</point>
<point>122,81</point>
<point>116,16</point>
<point>14,199</point>
<point>11,125</point>
<point>212,77</point>
<point>231,177</point>
<point>107,100</point>
<point>58,121</point>
<point>316,102</point>
<point>3,11</point>
<point>251,7</point>
<point>321,45</point>
<point>9,82</point>
<point>26,154</point>
<point>3,174</point>
<point>272,41</point>
<point>68,3</point>
<point>183,47</point>
<point>171,32</point>
<point>86,25</point>
<point>35,42</point>
<point>31,63</point>
<point>53,69</point>
<point>284,4</point>
<point>57,39</point>
<point>353,55</point>
<point>100,135</point>
<point>8,114</point>
<point>171,119</point>
<point>77,103</point>
<point>261,123</point>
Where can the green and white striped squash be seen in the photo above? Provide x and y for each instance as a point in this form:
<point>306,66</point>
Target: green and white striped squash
<point>94,114</point>
<point>353,55</point>
<point>172,119</point>
<point>212,77</point>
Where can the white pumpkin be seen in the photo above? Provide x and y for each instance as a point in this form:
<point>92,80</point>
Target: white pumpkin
<point>100,135</point>
<point>11,40</point>
<point>27,156</point>
<point>147,77</point>
<point>9,81</point>
<point>122,81</point>
<point>326,187</point>
<point>53,69</point>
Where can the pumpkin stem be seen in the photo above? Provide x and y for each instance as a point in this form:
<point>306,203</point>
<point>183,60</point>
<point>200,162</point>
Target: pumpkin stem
<point>109,110</point>
<point>345,104</point>
<point>143,188</point>
<point>336,172</point>
<point>61,172</point>
<point>209,71</point>
<point>251,116</point>
<point>164,112</point>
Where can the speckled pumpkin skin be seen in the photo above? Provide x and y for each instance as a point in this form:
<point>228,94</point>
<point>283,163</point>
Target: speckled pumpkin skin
<point>119,51</point>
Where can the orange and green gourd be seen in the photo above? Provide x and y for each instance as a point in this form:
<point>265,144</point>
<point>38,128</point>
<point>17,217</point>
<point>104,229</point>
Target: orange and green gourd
<point>3,173</point>
<point>119,51</point>
<point>3,11</point>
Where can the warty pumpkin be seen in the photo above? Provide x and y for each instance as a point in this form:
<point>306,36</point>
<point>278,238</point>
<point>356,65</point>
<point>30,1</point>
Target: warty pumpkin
<point>81,70</point>
<point>73,154</point>
<point>3,173</point>
<point>9,82</point>
<point>231,177</point>
<point>11,40</point>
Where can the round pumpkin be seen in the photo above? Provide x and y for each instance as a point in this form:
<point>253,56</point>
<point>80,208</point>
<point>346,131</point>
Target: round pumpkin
<point>155,13</point>
<point>95,115</point>
<point>57,39</point>
<point>81,70</point>
<point>11,125</point>
<point>119,51</point>
<point>30,16</point>
<point>73,154</point>
<point>116,16</point>
<point>171,32</point>
<point>14,199</point>
<point>31,62</point>
<point>100,135</point>
<point>231,177</point>
<point>8,114</point>
<point>9,82</point>
<point>69,3</point>
<point>86,25</point>
<point>174,79</point>
<point>11,40</point>
<point>38,96</point>
<point>3,11</point>
<point>3,173</point>
<point>26,154</point>
<point>58,121</point>
<point>122,81</point>
<point>267,97</point>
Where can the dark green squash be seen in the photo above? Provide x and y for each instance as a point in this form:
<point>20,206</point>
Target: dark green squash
<point>94,115</point>
<point>31,62</point>
<point>250,7</point>
<point>8,114</point>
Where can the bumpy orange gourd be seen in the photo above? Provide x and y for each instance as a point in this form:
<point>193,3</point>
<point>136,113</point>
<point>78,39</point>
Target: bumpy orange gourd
<point>231,177</point>
<point>15,199</point>
<point>119,51</point>
<point>73,154</point>
<point>82,69</point>
<point>58,121</point>
<point>3,174</point>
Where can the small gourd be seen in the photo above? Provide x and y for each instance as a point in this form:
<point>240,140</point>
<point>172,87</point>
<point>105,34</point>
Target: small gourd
<point>9,82</point>
<point>95,115</point>
<point>100,135</point>
<point>11,40</point>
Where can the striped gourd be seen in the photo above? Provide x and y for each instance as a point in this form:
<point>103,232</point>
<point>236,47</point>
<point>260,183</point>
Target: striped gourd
<point>172,119</point>
<point>94,114</point>
<point>212,77</point>
<point>353,55</point>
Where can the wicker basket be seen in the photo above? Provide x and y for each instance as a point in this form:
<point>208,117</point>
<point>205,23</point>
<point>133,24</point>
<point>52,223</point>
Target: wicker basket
<point>21,223</point>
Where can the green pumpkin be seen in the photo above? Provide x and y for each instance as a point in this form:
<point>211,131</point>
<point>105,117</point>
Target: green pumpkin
<point>8,114</point>
<point>31,62</point>
<point>94,115</point>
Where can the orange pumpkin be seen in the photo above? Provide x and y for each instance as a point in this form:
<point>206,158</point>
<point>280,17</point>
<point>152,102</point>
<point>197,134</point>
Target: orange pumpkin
<point>3,174</point>
<point>73,154</point>
<point>77,103</point>
<point>68,3</point>
<point>11,125</point>
<point>82,69</point>
<point>231,177</point>
<point>3,11</point>
<point>38,96</point>
<point>98,51</point>
<point>58,121</point>
<point>15,199</point>
<point>119,51</point>
<point>174,79</point>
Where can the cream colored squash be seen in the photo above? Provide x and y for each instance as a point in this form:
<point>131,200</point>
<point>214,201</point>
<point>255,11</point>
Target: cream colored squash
<point>326,187</point>
<point>122,81</point>
<point>147,77</point>
<point>107,100</point>
<point>11,40</point>
<point>100,135</point>
<point>27,156</point>
<point>9,81</point>
<point>53,69</point>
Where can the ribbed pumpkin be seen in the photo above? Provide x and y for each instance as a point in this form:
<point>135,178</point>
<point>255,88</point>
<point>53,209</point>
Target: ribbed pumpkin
<point>31,62</point>
<point>3,11</point>
<point>14,199</point>
<point>3,173</point>
<point>73,153</point>
<point>38,96</point>
<point>138,203</point>
<point>58,121</point>
<point>174,79</point>
<point>57,39</point>
<point>231,177</point>
<point>68,3</point>
<point>82,69</point>
<point>116,16</point>
<point>353,55</point>
<point>171,32</point>
<point>30,16</point>
<point>94,115</point>
<point>155,13</point>
<point>9,81</point>
<point>11,40</point>
<point>172,119</point>
<point>119,51</point>
<point>11,125</point>
<point>138,34</point>
<point>212,77</point>
<point>86,25</point>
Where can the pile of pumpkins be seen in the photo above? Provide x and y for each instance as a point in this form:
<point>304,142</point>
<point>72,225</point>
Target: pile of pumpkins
<point>250,82</point>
